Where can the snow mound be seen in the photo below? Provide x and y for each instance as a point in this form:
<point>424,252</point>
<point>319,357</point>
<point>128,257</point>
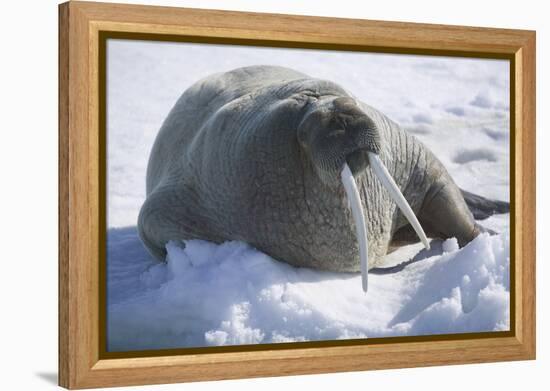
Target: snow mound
<point>230,294</point>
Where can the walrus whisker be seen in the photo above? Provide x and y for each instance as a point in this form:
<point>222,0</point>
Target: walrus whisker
<point>387,181</point>
<point>359,218</point>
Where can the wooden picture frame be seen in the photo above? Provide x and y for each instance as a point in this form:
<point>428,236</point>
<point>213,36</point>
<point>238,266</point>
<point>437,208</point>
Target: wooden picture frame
<point>82,362</point>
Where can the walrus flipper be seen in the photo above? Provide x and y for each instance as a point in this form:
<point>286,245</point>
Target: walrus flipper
<point>444,207</point>
<point>483,208</point>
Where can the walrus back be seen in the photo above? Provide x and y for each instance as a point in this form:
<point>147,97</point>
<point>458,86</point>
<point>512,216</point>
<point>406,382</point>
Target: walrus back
<point>199,103</point>
<point>179,141</point>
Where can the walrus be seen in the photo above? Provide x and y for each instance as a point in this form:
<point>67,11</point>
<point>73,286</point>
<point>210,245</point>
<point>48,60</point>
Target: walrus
<point>300,169</point>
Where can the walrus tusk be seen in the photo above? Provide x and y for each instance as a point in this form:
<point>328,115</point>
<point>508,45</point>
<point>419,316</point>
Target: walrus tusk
<point>387,181</point>
<point>359,218</point>
<point>354,199</point>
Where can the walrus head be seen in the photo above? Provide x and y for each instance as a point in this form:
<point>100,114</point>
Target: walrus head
<point>341,140</point>
<point>335,131</point>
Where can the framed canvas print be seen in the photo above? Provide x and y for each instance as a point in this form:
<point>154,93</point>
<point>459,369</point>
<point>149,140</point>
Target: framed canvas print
<point>251,195</point>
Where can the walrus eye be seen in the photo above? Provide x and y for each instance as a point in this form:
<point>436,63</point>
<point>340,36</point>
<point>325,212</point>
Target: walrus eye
<point>336,133</point>
<point>352,193</point>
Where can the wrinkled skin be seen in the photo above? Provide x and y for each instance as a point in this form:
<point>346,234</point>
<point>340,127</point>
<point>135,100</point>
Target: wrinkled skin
<point>255,155</point>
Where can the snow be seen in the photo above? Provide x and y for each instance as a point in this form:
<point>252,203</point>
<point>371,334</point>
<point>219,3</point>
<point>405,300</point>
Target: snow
<point>229,294</point>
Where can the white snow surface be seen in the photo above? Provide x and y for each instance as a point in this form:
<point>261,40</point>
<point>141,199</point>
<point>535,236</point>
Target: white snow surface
<point>228,294</point>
